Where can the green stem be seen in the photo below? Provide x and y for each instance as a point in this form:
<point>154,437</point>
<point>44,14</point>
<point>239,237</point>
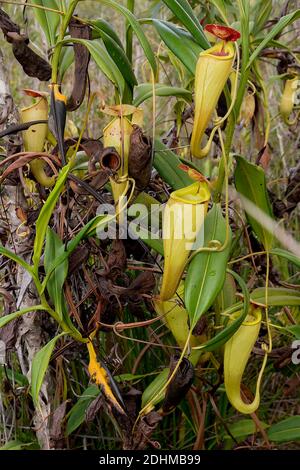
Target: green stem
<point>244,8</point>
<point>59,46</point>
<point>129,33</point>
<point>63,325</point>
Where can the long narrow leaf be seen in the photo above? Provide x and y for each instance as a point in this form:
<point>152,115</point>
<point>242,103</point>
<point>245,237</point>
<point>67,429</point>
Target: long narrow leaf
<point>45,215</point>
<point>221,338</point>
<point>145,91</point>
<point>207,271</point>
<point>250,182</point>
<point>95,224</point>
<point>40,364</point>
<point>262,14</point>
<point>103,25</point>
<point>185,14</point>
<point>118,55</point>
<point>103,61</point>
<point>48,20</point>
<point>12,316</point>
<point>287,255</point>
<point>77,414</point>
<point>282,23</point>
<point>11,255</point>
<point>287,430</point>
<point>167,164</point>
<point>136,28</point>
<point>179,43</point>
<point>53,246</point>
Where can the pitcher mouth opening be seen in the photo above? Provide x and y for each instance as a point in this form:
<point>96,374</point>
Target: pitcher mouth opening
<point>110,159</point>
<point>252,318</point>
<point>221,51</point>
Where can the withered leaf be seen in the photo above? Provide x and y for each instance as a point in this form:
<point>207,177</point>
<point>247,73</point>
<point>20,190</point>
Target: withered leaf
<point>77,258</point>
<point>264,157</point>
<point>79,30</point>
<point>23,160</point>
<point>293,188</point>
<point>93,148</point>
<point>144,430</point>
<point>200,326</point>
<point>144,283</point>
<point>94,408</point>
<point>117,261</point>
<point>32,64</point>
<point>56,428</point>
<point>8,334</point>
<point>140,158</point>
<point>180,384</point>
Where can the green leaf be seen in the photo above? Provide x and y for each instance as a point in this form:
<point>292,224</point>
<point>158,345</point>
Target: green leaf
<point>295,330</point>
<point>44,217</point>
<point>39,366</point>
<point>242,429</point>
<point>277,296</point>
<point>15,445</point>
<point>167,164</point>
<point>154,388</point>
<point>103,25</point>
<point>262,15</point>
<point>154,243</point>
<point>287,255</point>
<point>94,224</point>
<point>11,255</point>
<point>250,182</point>
<point>103,61</point>
<point>136,28</point>
<point>184,13</point>
<point>15,377</point>
<point>223,336</point>
<point>145,91</point>
<point>118,55</point>
<point>55,283</point>
<point>66,60</point>
<point>280,25</point>
<point>221,7</point>
<point>179,43</point>
<point>287,430</point>
<point>207,271</point>
<point>48,20</point>
<point>12,316</point>
<point>77,413</point>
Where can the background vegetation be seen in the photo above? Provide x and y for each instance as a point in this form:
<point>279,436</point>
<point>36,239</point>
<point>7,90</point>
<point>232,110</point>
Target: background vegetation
<point>50,401</point>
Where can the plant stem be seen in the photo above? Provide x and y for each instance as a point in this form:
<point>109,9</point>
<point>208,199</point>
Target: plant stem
<point>244,8</point>
<point>39,7</point>
<point>129,35</point>
<point>59,46</point>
